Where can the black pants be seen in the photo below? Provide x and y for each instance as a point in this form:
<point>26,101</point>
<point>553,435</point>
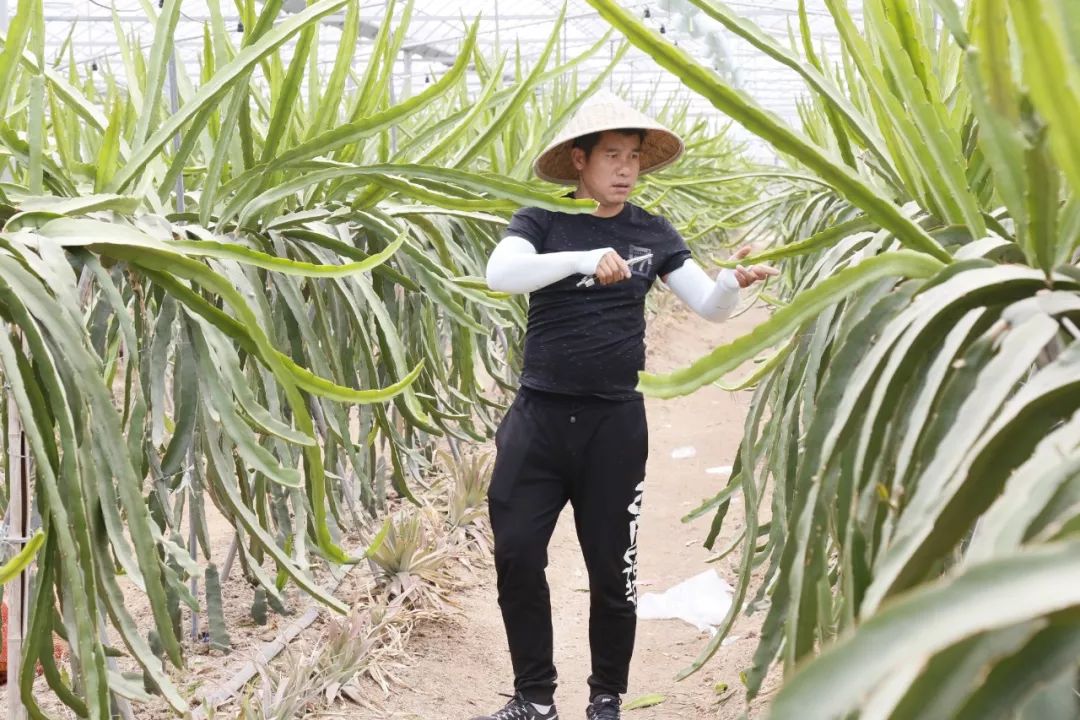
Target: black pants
<point>592,452</point>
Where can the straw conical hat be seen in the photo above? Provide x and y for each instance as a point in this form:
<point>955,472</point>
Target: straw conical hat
<point>607,111</point>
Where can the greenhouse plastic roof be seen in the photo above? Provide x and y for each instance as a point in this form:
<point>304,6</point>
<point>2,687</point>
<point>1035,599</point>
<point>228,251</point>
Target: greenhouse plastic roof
<point>437,28</point>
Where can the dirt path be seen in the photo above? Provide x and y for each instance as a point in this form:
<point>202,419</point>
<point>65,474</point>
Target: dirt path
<point>458,669</point>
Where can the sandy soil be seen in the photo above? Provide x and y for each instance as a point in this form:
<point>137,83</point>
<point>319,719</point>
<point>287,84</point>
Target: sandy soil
<point>459,668</point>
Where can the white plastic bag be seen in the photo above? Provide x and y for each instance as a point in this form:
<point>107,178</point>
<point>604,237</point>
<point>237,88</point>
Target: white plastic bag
<point>703,601</point>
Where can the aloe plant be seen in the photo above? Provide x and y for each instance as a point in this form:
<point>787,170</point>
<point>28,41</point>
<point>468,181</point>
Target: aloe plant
<point>910,454</point>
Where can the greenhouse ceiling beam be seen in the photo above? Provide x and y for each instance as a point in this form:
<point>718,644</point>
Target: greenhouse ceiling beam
<point>425,50</point>
<point>335,19</point>
<point>535,17</point>
<point>368,30</point>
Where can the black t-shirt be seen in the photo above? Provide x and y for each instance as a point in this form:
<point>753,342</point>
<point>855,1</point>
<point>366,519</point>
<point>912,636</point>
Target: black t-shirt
<point>591,340</point>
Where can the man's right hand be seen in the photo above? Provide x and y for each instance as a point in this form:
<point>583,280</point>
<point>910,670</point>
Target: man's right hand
<point>611,269</point>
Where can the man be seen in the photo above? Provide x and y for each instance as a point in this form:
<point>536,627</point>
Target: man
<point>576,430</point>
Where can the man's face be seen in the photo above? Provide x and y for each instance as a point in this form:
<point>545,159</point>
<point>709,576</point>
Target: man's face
<point>609,172</point>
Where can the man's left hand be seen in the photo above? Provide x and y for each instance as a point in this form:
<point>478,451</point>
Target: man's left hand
<point>747,276</point>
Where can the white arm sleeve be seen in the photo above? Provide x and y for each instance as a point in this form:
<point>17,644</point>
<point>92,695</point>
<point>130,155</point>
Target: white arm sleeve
<point>711,300</point>
<point>516,267</point>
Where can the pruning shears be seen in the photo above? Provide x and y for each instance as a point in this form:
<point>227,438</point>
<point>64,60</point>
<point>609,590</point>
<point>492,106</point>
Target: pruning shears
<point>590,280</point>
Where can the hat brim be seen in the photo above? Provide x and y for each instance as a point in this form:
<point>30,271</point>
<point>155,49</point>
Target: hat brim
<point>660,148</point>
<point>601,112</point>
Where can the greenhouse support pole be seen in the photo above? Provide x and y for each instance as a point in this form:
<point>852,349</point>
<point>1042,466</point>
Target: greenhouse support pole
<point>192,540</point>
<point>15,591</point>
<point>174,105</point>
<point>393,100</point>
<point>5,176</point>
<point>393,128</point>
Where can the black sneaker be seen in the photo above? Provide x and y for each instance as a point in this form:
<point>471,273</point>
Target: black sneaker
<point>520,709</point>
<point>604,707</point>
